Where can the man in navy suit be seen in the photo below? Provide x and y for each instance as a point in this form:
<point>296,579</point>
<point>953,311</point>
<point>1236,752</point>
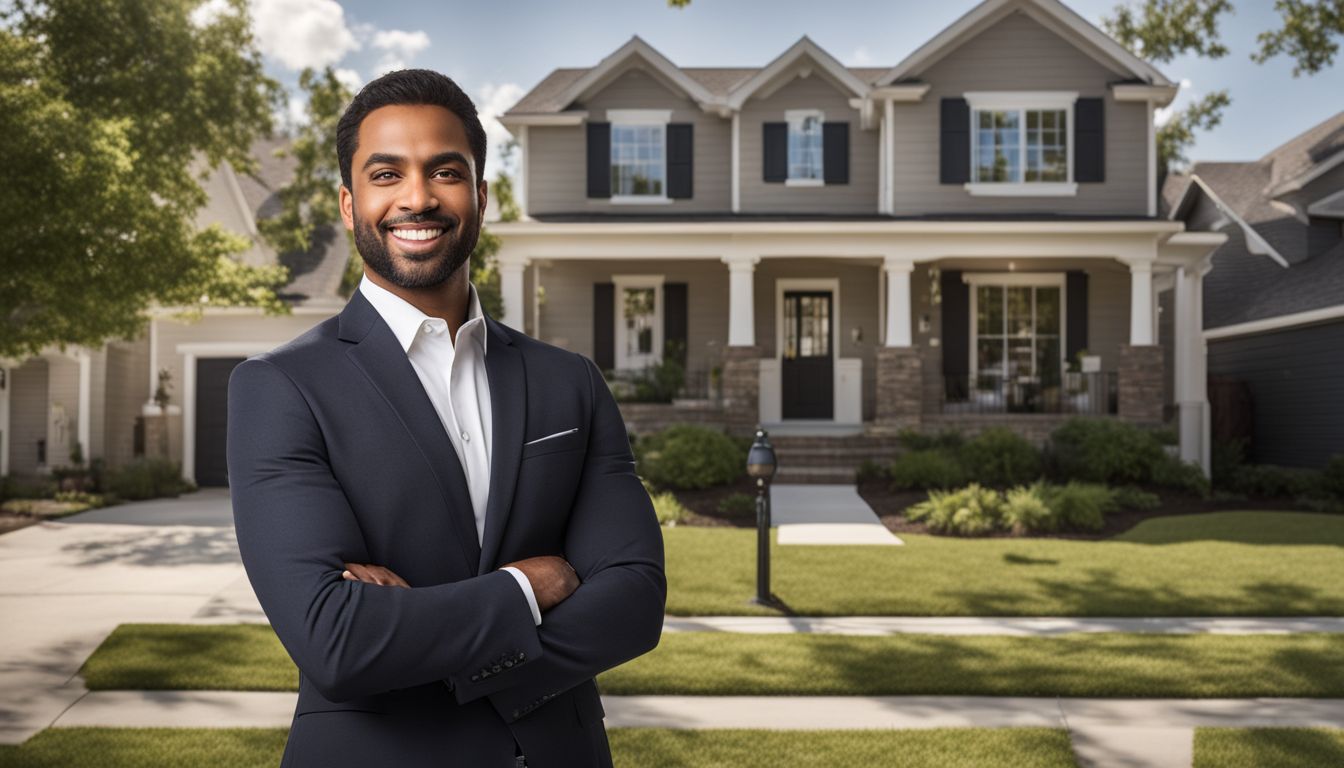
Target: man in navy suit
<point>438,514</point>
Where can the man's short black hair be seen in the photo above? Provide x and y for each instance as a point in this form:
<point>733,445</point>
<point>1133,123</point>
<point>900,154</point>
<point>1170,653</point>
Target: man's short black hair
<point>407,86</point>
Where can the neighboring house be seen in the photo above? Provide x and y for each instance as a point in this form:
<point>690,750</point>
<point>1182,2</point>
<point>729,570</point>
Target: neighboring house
<point>1274,303</point>
<point>103,399</point>
<point>849,251</point>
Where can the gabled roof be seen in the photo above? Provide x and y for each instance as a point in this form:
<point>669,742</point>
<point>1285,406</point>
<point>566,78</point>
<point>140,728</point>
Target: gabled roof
<point>1240,182</point>
<point>1051,13</point>
<point>804,48</point>
<point>1306,156</point>
<point>635,50</point>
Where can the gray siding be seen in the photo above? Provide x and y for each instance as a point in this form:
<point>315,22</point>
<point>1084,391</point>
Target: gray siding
<point>127,392</point>
<point>816,91</point>
<point>27,415</point>
<point>557,172</point>
<point>1018,54</point>
<point>63,390</point>
<point>1296,380</point>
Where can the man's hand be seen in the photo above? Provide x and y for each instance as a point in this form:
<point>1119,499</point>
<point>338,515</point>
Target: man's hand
<point>373,574</point>
<point>553,579</point>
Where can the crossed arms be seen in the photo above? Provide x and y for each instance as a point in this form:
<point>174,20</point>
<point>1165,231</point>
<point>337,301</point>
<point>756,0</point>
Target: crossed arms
<point>296,533</point>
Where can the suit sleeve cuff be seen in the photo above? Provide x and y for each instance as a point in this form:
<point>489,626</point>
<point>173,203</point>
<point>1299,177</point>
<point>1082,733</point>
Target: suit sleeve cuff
<point>526,586</point>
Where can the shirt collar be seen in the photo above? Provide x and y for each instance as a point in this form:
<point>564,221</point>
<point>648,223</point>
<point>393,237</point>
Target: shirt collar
<point>405,320</point>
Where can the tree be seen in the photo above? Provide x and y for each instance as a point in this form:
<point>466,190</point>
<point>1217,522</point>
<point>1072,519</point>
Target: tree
<point>113,112</point>
<point>1306,34</point>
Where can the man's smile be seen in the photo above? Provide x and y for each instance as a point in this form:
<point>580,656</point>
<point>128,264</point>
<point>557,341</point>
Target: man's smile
<point>417,238</point>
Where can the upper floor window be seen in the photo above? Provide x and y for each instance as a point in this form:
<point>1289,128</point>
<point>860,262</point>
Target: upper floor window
<point>1020,143</point>
<point>638,154</point>
<point>805,146</point>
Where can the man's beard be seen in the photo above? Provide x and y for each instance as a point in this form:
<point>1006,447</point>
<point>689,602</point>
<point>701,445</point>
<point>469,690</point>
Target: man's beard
<point>372,246</point>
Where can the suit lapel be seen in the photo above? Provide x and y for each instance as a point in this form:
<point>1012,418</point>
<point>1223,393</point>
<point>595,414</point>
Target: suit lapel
<point>379,355</point>
<point>508,407</point>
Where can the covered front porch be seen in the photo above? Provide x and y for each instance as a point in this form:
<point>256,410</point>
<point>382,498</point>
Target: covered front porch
<point>828,327</point>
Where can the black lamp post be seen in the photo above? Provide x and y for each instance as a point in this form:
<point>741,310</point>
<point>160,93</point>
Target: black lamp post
<point>761,465</point>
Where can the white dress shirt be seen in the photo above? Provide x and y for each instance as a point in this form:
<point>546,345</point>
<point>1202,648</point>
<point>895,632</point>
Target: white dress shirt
<point>454,377</point>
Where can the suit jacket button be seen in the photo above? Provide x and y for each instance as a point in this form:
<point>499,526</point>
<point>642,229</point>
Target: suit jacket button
<point>521,655</point>
<point>508,662</point>
<point>517,714</point>
<point>475,678</point>
<point>495,668</point>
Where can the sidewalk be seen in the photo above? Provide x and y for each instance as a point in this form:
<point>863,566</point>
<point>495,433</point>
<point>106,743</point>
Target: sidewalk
<point>825,514</point>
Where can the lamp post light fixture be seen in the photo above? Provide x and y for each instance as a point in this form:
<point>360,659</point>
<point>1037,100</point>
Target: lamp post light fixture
<point>761,466</point>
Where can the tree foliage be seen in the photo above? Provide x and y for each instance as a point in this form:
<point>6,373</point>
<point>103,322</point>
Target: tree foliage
<point>1307,34</point>
<point>113,112</point>
<point>1164,29</point>
<point>1178,134</point>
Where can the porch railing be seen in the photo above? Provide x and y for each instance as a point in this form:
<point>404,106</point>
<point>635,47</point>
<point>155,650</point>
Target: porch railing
<point>1080,393</point>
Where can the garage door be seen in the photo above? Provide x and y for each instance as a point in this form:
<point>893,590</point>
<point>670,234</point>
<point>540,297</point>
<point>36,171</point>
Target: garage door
<point>212,418</point>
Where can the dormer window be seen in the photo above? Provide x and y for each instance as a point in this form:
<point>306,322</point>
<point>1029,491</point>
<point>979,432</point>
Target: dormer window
<point>805,147</point>
<point>1020,143</point>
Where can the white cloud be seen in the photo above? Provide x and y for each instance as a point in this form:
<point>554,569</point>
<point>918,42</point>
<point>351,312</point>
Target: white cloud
<point>860,57</point>
<point>1162,114</point>
<point>399,47</point>
<point>302,33</point>
<point>350,79</point>
<point>492,102</point>
<point>206,13</point>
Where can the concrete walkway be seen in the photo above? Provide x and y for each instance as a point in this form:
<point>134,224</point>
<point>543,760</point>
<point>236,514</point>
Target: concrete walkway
<point>1106,733</point>
<point>1007,626</point>
<point>825,514</point>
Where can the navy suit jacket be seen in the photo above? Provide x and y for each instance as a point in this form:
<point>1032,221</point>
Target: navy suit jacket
<point>336,454</point>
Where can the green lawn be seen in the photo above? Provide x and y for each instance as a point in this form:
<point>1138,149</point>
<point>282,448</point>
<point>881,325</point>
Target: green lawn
<point>1222,564</point>
<point>237,748</point>
<point>1269,748</point>
<point>249,657</point>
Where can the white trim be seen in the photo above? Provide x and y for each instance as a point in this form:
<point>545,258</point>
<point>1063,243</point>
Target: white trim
<point>621,283</point>
<point>737,169</point>
<point>781,63</point>
<point>1018,279</point>
<point>1022,188</point>
<point>191,352</point>
<point>832,284</point>
<point>636,47</point>
<point>1319,207</point>
<point>572,117</point>
<point>799,115</point>
<point>804,182</point>
<point>1276,323</point>
<point>991,11</point>
<point>1152,158</point>
<point>639,116</point>
<point>637,200</point>
<point>524,175</point>
<point>904,92</point>
<point>1254,242</point>
<point>1005,100</point>
<point>1162,95</point>
<point>877,227</point>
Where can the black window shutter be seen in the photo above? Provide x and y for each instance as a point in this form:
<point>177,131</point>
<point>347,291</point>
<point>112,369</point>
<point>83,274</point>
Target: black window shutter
<point>599,159</point>
<point>1075,324</point>
<point>680,150</point>
<point>954,142</point>
<point>956,334</point>
<point>604,325</point>
<point>674,321</point>
<point>775,143</point>
<point>835,152</point>
<point>1089,136</point>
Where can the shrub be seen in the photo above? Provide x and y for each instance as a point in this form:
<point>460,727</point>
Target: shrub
<point>1104,451</point>
<point>1081,506</point>
<point>667,508</point>
<point>870,471</point>
<point>1025,510</point>
<point>12,487</point>
<point>146,478</point>
<point>924,470</point>
<point>949,439</point>
<point>1332,477</point>
<point>1173,473</point>
<point>1001,457</point>
<point>1227,458</point>
<point>1131,497</point>
<point>970,511</point>
<point>1270,481</point>
<point>737,505</point>
<point>688,457</point>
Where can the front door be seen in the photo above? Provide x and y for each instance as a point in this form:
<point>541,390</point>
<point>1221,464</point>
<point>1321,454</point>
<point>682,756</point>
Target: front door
<point>212,418</point>
<point>807,367</point>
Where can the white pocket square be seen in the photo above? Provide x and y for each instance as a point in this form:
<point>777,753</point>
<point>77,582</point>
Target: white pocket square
<point>548,437</point>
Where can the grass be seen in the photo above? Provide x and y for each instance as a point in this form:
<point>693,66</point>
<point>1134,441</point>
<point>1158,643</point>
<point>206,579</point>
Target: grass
<point>1269,748</point>
<point>1218,564</point>
<point>235,748</point>
<point>249,657</point>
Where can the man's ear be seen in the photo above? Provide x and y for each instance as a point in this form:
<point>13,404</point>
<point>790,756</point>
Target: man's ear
<point>482,196</point>
<point>347,208</point>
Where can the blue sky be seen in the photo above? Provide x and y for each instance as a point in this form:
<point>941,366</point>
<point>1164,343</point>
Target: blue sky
<point>499,49</point>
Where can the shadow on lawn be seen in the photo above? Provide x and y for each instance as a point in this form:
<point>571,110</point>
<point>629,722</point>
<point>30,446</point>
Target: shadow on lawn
<point>1269,747</point>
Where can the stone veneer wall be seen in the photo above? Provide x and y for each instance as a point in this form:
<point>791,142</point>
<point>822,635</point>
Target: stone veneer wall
<point>1140,378</point>
<point>741,389</point>
<point>900,387</point>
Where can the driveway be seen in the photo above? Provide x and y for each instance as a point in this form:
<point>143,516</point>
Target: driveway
<point>65,585</point>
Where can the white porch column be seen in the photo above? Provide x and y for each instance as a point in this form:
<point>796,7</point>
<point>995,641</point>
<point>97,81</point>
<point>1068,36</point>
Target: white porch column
<point>741,300</point>
<point>1192,366</point>
<point>1141,302</point>
<point>511,291</point>
<point>898,301</point>
<point>85,401</point>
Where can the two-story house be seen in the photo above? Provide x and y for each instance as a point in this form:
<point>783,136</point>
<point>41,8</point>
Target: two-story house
<point>968,237</point>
